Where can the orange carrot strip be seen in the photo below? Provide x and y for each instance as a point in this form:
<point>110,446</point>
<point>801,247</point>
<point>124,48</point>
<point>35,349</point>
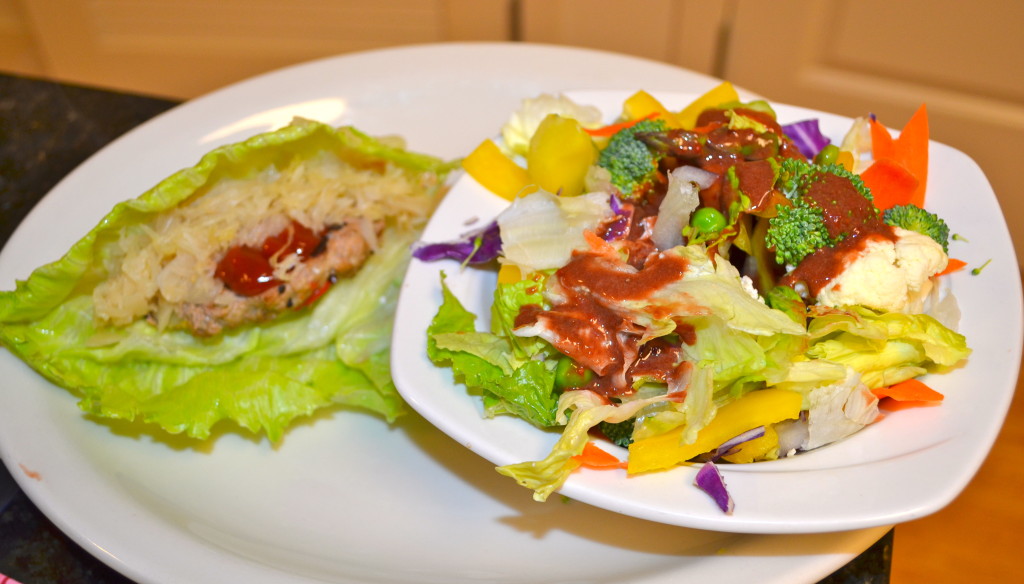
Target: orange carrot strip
<point>882,145</point>
<point>706,128</point>
<point>952,266</point>
<point>909,390</point>
<point>594,457</point>
<point>912,151</point>
<point>889,404</point>
<point>909,150</point>
<point>613,129</point>
<point>30,473</point>
<point>316,294</point>
<point>600,246</point>
<point>890,183</point>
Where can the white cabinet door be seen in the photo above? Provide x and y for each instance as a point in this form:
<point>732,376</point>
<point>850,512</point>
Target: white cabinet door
<point>18,50</point>
<point>964,59</point>
<point>682,32</point>
<point>182,48</point>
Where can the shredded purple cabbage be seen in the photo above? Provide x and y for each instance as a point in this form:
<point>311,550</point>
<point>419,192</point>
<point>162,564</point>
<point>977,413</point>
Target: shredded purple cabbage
<point>711,482</point>
<point>731,444</point>
<point>477,247</point>
<point>807,137</point>
<point>618,228</point>
<point>615,204</point>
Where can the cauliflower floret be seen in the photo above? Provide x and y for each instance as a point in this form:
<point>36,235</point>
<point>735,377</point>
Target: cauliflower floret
<point>921,257</point>
<point>887,275</point>
<point>748,287</point>
<point>521,126</point>
<point>871,278</point>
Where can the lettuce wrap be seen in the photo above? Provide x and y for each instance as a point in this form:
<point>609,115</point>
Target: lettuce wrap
<point>144,364</point>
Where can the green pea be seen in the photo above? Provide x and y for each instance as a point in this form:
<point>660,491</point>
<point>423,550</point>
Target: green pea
<point>570,374</point>
<point>707,220</point>
<point>828,155</point>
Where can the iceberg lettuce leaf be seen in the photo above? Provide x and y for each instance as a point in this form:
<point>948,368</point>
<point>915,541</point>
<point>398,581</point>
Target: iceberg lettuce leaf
<point>485,361</point>
<point>885,348</point>
<point>588,409</point>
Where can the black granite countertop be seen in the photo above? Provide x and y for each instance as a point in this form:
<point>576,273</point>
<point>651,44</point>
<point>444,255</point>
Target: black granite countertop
<point>46,130</point>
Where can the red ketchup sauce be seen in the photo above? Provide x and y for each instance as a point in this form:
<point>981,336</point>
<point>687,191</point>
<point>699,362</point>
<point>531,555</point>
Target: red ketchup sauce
<point>247,270</point>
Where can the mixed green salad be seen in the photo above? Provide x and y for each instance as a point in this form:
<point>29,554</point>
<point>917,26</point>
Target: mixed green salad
<point>705,285</point>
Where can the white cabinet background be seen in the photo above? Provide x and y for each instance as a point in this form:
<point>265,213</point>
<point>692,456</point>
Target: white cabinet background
<point>964,59</point>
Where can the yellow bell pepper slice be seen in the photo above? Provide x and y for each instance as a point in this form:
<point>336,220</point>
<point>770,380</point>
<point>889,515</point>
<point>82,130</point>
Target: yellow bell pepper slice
<point>509,274</point>
<point>757,408</point>
<point>845,159</point>
<point>496,171</point>
<point>642,104</point>
<point>560,155</point>
<point>722,93</point>
<point>763,448</point>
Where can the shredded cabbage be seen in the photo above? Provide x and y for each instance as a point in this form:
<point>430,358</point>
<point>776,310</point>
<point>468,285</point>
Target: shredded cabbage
<point>539,231</point>
<point>522,124</point>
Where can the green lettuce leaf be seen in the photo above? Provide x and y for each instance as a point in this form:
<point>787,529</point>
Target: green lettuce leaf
<point>261,377</point>
<point>694,412</point>
<point>582,410</point>
<point>488,363</point>
<point>509,298</point>
<point>886,348</point>
<point>716,288</point>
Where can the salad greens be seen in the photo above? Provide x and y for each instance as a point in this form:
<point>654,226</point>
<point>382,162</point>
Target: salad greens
<point>261,376</point>
<point>497,362</point>
<point>697,338</point>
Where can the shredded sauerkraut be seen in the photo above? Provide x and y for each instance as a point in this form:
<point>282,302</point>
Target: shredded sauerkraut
<point>172,260</point>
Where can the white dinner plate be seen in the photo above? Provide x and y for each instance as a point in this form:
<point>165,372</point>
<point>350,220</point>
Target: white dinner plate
<point>346,497</point>
<point>910,464</point>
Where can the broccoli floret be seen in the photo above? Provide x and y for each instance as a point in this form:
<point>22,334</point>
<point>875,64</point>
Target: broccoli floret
<point>797,231</point>
<point>815,219</point>
<point>796,176</point>
<point>632,164</point>
<point>914,218</point>
<point>855,180</point>
<point>620,433</point>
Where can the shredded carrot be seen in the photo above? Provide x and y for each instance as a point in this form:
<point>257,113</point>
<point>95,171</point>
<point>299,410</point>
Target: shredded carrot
<point>953,265</point>
<point>909,390</point>
<point>611,130</point>
<point>706,128</point>
<point>320,291</point>
<point>599,246</point>
<point>30,473</point>
<point>890,183</point>
<point>593,457</point>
